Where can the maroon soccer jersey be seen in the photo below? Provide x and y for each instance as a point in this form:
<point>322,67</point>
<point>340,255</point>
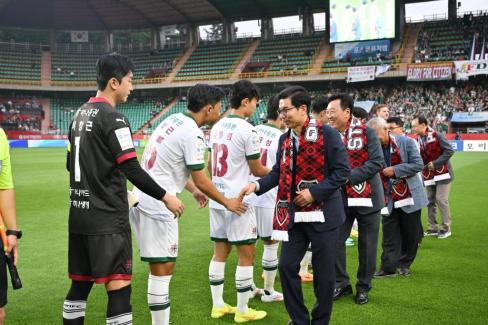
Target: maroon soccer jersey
<point>100,139</point>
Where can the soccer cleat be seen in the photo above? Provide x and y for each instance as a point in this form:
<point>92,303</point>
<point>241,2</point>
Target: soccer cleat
<point>349,242</point>
<point>256,292</point>
<point>271,296</point>
<point>218,312</point>
<point>306,277</point>
<point>431,233</point>
<point>248,316</point>
<point>444,234</point>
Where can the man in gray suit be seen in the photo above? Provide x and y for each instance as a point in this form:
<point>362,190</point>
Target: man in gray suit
<point>339,111</point>
<point>401,219</point>
<point>437,193</point>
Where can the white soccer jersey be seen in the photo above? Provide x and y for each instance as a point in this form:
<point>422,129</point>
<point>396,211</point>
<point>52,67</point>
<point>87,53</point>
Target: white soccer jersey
<point>269,137</point>
<point>233,141</point>
<point>176,147</point>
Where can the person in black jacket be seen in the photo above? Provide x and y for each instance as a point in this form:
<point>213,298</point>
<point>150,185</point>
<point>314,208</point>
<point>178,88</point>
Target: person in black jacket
<point>322,190</point>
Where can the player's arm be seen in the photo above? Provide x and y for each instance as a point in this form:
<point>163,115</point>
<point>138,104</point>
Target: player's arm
<point>141,179</point>
<point>201,198</point>
<point>118,137</point>
<point>205,185</point>
<point>252,150</point>
<point>7,195</point>
<point>257,169</point>
<point>209,163</point>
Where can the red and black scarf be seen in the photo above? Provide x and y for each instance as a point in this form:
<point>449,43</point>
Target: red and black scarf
<point>356,144</point>
<point>309,170</point>
<point>430,149</point>
<point>400,193</point>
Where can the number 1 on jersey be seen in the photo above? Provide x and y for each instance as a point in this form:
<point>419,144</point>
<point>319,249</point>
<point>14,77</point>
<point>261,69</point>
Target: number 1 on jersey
<point>77,160</point>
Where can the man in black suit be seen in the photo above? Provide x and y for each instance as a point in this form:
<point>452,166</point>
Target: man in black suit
<point>318,227</point>
<point>340,116</point>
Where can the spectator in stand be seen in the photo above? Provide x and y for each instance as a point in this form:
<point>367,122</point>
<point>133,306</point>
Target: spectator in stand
<point>382,111</point>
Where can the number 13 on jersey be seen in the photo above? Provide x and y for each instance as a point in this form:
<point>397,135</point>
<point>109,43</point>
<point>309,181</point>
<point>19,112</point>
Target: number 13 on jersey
<point>219,159</point>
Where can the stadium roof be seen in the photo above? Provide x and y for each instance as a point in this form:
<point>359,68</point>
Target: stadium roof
<point>136,14</point>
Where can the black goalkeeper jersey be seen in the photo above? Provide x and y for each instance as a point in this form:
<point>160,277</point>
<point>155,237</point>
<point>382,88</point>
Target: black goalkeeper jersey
<point>100,139</point>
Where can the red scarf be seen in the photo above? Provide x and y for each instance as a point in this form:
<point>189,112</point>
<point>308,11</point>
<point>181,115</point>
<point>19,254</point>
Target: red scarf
<point>356,144</point>
<point>309,170</point>
<point>430,149</point>
<point>400,194</point>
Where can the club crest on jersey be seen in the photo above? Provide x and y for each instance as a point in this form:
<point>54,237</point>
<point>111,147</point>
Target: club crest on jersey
<point>311,133</point>
<point>359,188</point>
<point>306,184</point>
<point>281,211</point>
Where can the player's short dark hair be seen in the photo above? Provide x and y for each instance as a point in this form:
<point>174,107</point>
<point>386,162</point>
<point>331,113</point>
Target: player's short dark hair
<point>346,100</point>
<point>359,112</point>
<point>110,66</point>
<point>273,106</point>
<point>422,120</point>
<point>243,89</point>
<point>395,119</point>
<point>319,104</point>
<point>201,95</point>
<point>298,96</point>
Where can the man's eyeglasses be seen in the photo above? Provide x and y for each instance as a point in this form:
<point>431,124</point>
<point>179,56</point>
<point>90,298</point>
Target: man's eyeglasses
<point>391,128</point>
<point>285,110</point>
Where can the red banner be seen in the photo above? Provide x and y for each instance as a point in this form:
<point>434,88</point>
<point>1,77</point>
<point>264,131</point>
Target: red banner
<point>423,72</point>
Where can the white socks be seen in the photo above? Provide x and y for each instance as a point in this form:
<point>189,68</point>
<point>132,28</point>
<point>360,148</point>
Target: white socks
<point>158,298</point>
<point>270,266</point>
<point>216,272</point>
<point>243,286</point>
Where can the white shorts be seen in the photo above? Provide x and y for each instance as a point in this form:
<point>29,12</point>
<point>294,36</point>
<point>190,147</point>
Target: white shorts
<point>264,218</point>
<point>157,239</point>
<point>226,226</point>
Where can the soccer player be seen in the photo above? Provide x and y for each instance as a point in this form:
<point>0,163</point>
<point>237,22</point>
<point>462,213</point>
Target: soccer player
<point>100,160</point>
<point>235,152</point>
<point>269,135</point>
<point>8,213</point>
<point>175,151</point>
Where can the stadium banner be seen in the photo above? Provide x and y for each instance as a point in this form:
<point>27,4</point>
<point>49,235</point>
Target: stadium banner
<point>456,145</point>
<point>47,143</point>
<point>361,49</point>
<point>18,143</point>
<point>429,72</point>
<point>367,105</point>
<point>475,145</point>
<point>79,36</point>
<point>465,69</point>
<point>361,73</point>
<point>464,117</point>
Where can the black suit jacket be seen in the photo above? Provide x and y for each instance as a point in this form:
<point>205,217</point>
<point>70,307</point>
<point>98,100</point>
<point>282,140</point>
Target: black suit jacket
<point>336,172</point>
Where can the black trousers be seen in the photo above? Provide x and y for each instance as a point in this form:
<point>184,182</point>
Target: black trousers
<point>401,235</point>
<point>323,257</point>
<point>368,228</point>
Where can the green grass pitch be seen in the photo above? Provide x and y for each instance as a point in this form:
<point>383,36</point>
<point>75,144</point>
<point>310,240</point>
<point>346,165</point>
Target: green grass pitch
<point>448,285</point>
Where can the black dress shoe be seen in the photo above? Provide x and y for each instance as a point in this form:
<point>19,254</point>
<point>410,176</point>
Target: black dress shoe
<point>404,271</point>
<point>383,274</point>
<point>341,292</point>
<point>361,298</point>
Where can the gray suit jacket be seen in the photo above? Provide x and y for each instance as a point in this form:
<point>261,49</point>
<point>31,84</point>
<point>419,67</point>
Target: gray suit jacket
<point>445,157</point>
<point>410,168</point>
<point>370,171</point>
